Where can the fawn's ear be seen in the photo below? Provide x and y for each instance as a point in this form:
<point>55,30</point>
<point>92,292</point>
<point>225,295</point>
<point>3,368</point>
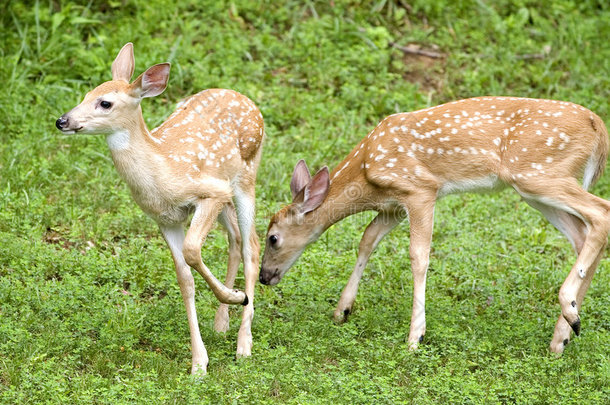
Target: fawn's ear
<point>123,65</point>
<point>315,191</point>
<point>300,178</point>
<point>152,82</point>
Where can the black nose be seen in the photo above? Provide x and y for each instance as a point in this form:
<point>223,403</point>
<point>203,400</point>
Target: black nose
<point>262,278</point>
<point>61,123</point>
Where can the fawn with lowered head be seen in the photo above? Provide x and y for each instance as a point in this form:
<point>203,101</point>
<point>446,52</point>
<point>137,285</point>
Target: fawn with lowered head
<point>201,161</point>
<point>540,148</point>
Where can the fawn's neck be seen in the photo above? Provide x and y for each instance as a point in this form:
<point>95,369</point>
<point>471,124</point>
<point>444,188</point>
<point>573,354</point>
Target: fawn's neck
<point>349,193</point>
<point>132,132</point>
<point>135,157</point>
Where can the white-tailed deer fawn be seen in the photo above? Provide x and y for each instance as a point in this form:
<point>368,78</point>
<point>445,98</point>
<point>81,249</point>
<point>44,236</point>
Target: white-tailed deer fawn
<point>204,157</point>
<point>541,148</point>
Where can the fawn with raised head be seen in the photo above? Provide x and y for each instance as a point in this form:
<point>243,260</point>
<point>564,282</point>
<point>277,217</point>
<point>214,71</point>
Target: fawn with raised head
<point>541,148</point>
<point>201,161</point>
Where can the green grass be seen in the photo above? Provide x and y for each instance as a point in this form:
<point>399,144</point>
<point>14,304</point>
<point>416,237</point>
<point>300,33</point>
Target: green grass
<point>90,311</point>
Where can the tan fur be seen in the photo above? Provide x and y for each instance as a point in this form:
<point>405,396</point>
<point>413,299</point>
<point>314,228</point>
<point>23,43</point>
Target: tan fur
<point>197,153</point>
<point>538,147</point>
<point>204,156</point>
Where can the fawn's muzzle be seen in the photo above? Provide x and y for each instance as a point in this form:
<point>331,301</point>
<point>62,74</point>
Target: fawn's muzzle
<point>62,123</point>
<point>268,277</point>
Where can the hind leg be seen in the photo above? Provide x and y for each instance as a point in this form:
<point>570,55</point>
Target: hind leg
<point>228,218</point>
<point>561,194</point>
<point>244,200</point>
<point>576,231</point>
<point>561,336</point>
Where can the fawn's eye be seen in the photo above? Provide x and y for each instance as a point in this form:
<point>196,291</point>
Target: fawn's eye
<point>105,104</point>
<point>272,240</point>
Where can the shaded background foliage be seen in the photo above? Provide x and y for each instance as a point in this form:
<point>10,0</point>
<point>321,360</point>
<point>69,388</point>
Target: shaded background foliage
<point>90,310</point>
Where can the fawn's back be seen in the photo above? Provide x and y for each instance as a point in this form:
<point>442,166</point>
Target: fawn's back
<point>481,143</point>
<point>212,132</point>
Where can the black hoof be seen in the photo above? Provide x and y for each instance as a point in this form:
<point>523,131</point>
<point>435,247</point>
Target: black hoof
<point>576,327</point>
<point>245,301</point>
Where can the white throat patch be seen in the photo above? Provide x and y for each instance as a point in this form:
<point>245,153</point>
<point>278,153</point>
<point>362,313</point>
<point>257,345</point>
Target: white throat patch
<point>118,140</point>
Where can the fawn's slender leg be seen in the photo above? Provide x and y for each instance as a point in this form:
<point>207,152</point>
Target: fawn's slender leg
<point>561,335</point>
<point>174,236</point>
<point>568,195</point>
<point>576,232</point>
<point>421,223</point>
<point>206,212</point>
<point>228,218</point>
<point>245,200</point>
<point>374,233</point>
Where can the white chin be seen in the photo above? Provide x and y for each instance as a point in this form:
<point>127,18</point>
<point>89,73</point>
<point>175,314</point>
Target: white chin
<point>274,281</point>
<point>68,132</point>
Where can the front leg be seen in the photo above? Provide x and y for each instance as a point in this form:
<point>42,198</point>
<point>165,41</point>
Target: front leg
<point>174,236</point>
<point>206,212</point>
<point>421,223</point>
<point>375,231</point>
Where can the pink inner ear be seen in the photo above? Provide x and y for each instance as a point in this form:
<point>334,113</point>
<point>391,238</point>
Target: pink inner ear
<point>154,80</point>
<point>316,191</point>
<point>156,75</point>
<point>300,178</point>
